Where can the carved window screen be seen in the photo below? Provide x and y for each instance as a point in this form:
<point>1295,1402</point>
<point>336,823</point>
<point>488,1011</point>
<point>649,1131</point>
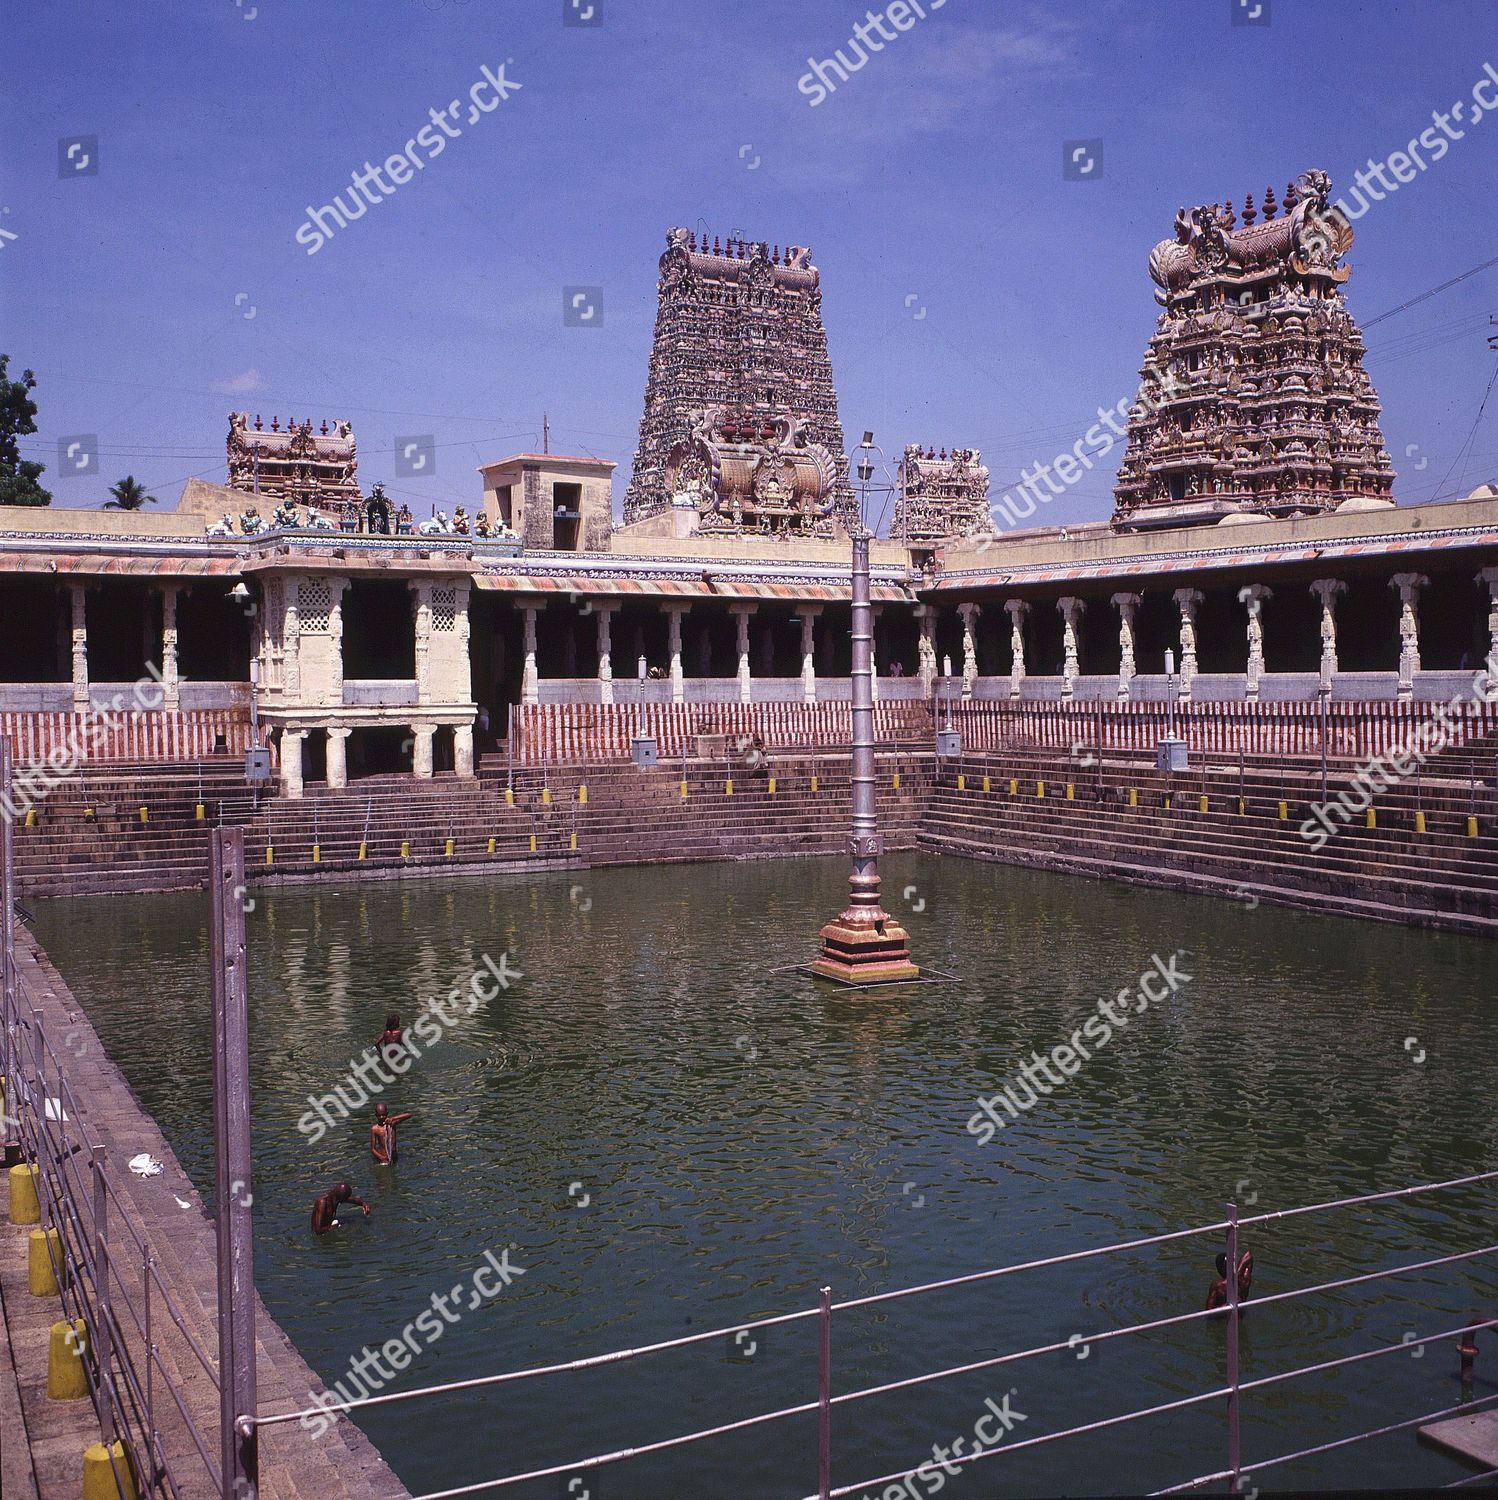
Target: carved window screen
<point>314,606</point>
<point>444,609</point>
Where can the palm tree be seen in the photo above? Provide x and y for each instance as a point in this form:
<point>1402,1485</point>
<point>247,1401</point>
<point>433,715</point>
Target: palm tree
<point>128,494</point>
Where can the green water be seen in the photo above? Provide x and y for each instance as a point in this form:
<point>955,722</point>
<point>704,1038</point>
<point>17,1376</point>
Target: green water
<point>743,1137</point>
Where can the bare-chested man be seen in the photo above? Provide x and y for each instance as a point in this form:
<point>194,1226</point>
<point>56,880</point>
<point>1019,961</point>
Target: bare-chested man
<point>325,1210</point>
<point>1217,1293</point>
<point>382,1135</point>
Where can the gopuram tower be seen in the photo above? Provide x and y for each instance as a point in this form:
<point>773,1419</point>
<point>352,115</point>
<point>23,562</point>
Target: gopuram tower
<point>1254,397</point>
<point>741,429</point>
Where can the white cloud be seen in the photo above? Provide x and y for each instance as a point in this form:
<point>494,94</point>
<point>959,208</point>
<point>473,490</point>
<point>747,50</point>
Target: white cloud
<point>237,385</point>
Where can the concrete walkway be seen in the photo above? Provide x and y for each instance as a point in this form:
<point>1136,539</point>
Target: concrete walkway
<point>168,1214</point>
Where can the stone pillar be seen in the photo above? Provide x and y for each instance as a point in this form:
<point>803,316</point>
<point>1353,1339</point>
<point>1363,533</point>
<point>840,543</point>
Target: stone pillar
<point>421,615</point>
<point>338,758</point>
<point>291,647</point>
<point>530,682</point>
<point>78,598</point>
<point>1409,586</point>
<point>1128,607</point>
<point>1489,576</point>
<point>1071,613</point>
<point>1016,609</point>
<point>808,614</point>
<point>674,612</point>
<point>421,750</point>
<point>1327,590</point>
<point>969,613</point>
<point>741,613</point>
<point>1252,598</point>
<point>335,650</point>
<point>463,629</point>
<point>463,750</point>
<point>291,761</point>
<point>171,696</point>
<point>926,647</point>
<point>605,613</point>
<point>1189,601</point>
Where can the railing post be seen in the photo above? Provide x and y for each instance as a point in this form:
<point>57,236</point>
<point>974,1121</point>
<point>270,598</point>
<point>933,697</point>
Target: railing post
<point>103,1334</point>
<point>231,1100</point>
<point>1235,1482</point>
<point>7,927</point>
<point>824,1396</point>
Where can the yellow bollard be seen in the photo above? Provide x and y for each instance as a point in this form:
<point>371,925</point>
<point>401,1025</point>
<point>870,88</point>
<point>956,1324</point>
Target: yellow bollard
<point>813,783</point>
<point>1201,803</point>
<point>1040,789</point>
<point>1284,811</point>
<point>1071,791</point>
<point>67,1380</point>
<point>1471,825</point>
<point>106,1480</point>
<point>491,844</point>
<point>572,845</point>
<point>25,1206</point>
<point>545,796</point>
<point>961,782</point>
<point>88,814</point>
<point>1014,786</point>
<point>1370,819</point>
<point>582,795</point>
<point>533,843</point>
<point>987,785</point>
<point>681,786</point>
<point>270,855</point>
<point>772,786</point>
<point>1133,796</point>
<point>200,812</point>
<point>31,817</point>
<point>1165,800</point>
<point>1242,807</point>
<point>1419,822</point>
<point>405,848</point>
<point>728,787</point>
<point>448,849</point>
<point>145,814</point>
<point>43,1257</point>
<point>363,850</point>
<point>317,854</point>
<point>897,782</point>
<point>509,796</point>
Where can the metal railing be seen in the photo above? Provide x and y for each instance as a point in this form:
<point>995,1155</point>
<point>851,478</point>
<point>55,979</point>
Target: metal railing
<point>825,1403</point>
<point>143,1363</point>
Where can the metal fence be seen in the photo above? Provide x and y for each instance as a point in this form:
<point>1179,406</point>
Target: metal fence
<point>145,1366</point>
<point>825,1404</point>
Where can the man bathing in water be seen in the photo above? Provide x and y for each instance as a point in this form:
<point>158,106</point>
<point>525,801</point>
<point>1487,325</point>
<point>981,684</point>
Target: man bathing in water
<point>325,1210</point>
<point>391,1037</point>
<point>1217,1293</point>
<point>382,1135</point>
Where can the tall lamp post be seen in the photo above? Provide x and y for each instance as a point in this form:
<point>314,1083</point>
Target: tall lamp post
<point>864,945</point>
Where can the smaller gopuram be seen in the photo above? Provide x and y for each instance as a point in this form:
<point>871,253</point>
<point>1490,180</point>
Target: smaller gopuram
<point>293,463</point>
<point>941,495</point>
<point>1254,396</point>
<point>741,473</point>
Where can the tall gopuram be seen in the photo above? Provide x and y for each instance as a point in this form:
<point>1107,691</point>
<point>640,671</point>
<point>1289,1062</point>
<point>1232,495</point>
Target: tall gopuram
<point>741,425</point>
<point>941,495</point>
<point>294,463</point>
<point>1254,397</point>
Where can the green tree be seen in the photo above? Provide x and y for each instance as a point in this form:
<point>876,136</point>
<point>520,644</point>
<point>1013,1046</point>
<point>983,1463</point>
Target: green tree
<point>129,494</point>
<point>18,476</point>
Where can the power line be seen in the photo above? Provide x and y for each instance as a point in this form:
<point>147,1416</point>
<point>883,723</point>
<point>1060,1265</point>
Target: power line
<point>1430,292</point>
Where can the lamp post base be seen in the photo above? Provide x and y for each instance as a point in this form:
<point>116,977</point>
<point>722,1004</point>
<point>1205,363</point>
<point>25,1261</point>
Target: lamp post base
<point>865,954</point>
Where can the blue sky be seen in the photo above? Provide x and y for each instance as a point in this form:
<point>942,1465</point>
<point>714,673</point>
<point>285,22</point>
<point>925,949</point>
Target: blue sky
<point>972,295</point>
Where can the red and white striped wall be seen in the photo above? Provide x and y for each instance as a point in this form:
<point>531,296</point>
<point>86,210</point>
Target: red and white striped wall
<point>154,735</point>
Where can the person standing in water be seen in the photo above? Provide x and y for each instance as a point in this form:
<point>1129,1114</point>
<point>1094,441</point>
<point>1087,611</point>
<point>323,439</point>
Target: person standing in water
<point>382,1144</point>
<point>325,1210</point>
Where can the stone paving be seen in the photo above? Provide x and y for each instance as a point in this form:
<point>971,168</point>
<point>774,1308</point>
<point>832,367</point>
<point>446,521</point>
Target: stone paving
<point>341,1465</point>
